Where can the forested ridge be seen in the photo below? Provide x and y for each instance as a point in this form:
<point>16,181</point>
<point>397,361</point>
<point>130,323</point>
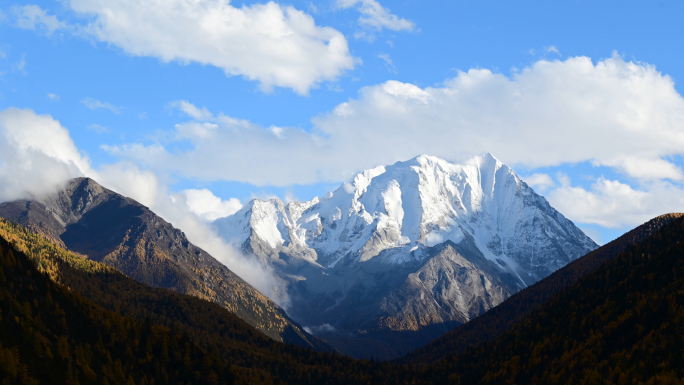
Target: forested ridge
<point>68,320</point>
<point>621,324</point>
<point>501,318</point>
<point>92,324</point>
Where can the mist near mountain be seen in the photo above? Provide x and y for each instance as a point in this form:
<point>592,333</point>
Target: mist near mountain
<point>104,226</point>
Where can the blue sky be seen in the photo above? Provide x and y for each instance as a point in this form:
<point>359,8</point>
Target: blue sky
<point>149,99</point>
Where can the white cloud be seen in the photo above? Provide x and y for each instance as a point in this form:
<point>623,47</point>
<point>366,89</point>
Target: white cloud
<point>375,16</point>
<point>34,18</point>
<point>206,205</point>
<point>53,97</point>
<point>563,179</point>
<point>539,182</point>
<point>127,179</point>
<point>95,104</point>
<point>279,46</point>
<point>610,203</point>
<point>190,110</point>
<point>37,156</point>
<point>613,113</point>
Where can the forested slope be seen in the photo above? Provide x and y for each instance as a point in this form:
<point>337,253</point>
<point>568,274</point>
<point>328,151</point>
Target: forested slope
<point>621,324</point>
<point>91,324</point>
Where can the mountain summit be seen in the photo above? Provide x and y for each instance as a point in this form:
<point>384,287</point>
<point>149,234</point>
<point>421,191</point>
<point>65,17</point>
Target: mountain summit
<point>405,252</point>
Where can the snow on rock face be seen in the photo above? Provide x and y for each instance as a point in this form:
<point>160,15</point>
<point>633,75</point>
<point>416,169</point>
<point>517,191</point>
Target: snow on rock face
<point>390,218</point>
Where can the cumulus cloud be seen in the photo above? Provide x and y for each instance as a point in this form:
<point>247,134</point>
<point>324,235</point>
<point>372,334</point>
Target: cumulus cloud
<point>540,182</point>
<point>34,18</point>
<point>206,205</point>
<point>279,46</point>
<point>610,203</point>
<point>95,104</point>
<point>614,113</point>
<point>374,15</point>
<point>37,156</point>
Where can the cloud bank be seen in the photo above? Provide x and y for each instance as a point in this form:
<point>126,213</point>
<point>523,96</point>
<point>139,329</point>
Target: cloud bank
<point>610,203</point>
<point>278,46</point>
<point>613,113</point>
<point>623,115</point>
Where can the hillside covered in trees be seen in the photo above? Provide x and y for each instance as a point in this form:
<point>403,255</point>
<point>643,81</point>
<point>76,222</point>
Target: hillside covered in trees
<point>69,320</point>
<point>621,324</point>
<point>496,321</point>
<point>90,324</point>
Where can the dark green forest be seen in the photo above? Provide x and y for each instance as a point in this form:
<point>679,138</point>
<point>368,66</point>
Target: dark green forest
<point>68,320</point>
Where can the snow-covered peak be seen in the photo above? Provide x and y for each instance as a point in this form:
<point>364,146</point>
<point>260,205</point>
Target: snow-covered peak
<point>407,206</point>
<point>424,239</point>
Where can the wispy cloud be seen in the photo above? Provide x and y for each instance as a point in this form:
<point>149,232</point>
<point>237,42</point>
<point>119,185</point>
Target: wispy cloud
<point>552,49</point>
<point>388,62</point>
<point>98,128</point>
<point>375,16</point>
<point>191,110</point>
<point>53,97</point>
<point>37,19</point>
<point>95,104</point>
<point>21,66</point>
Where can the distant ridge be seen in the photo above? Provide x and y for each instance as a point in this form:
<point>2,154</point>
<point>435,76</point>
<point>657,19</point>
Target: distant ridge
<point>498,320</point>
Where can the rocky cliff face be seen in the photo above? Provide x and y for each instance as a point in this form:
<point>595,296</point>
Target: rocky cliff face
<point>405,252</point>
<point>107,227</point>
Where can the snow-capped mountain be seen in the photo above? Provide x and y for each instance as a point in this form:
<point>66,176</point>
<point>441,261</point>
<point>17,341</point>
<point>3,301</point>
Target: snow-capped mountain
<point>417,246</point>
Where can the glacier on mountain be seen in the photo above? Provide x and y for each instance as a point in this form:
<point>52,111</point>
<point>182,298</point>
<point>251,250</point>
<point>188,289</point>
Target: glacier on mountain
<point>419,243</point>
